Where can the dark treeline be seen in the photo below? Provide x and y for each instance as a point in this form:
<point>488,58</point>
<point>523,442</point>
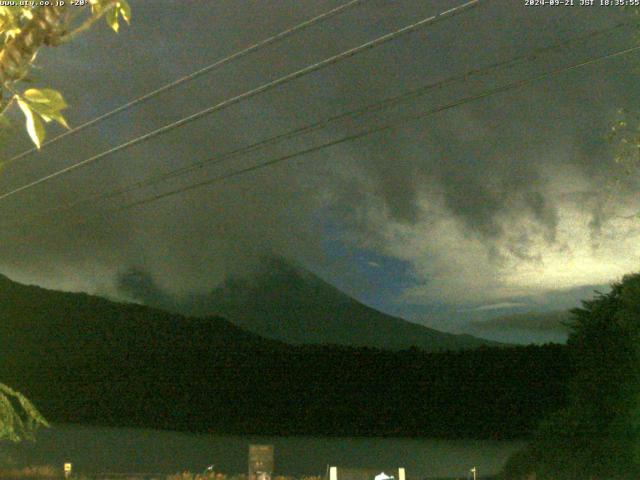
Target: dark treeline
<point>597,434</point>
<point>489,393</point>
<point>84,359</point>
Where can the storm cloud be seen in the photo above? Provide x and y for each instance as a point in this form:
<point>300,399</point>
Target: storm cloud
<point>510,196</point>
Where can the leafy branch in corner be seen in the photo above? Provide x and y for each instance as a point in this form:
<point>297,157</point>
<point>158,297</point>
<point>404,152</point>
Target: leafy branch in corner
<point>23,32</point>
<point>19,418</point>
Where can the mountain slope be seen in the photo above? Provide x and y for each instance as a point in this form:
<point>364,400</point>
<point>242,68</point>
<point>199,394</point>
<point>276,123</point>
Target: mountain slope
<point>75,336</point>
<point>84,359</point>
<point>290,304</point>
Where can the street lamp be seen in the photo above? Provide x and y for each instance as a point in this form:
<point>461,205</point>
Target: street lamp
<point>473,470</point>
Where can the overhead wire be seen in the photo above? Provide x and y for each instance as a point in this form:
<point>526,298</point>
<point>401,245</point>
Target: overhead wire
<point>193,75</point>
<point>376,106</point>
<point>397,123</point>
<point>370,108</point>
<point>447,14</point>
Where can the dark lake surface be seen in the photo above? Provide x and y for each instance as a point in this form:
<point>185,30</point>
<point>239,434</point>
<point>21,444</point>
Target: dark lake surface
<point>99,450</point>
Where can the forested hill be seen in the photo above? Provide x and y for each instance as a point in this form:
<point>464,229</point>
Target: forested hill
<point>83,359</point>
<point>283,301</point>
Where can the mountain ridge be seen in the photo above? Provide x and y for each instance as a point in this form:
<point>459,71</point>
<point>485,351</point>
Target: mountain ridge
<point>284,301</point>
<point>84,359</point>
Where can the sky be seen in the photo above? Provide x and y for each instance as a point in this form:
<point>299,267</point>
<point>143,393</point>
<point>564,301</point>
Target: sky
<point>506,205</point>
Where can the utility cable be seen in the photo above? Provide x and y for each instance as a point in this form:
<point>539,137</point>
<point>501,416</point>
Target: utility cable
<point>374,107</point>
<point>192,76</point>
<point>395,124</point>
<point>251,93</point>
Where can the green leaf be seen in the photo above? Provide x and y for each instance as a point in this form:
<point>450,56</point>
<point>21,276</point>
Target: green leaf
<point>48,113</point>
<point>121,8</point>
<point>18,423</point>
<point>47,96</point>
<point>96,7</point>
<point>47,103</point>
<point>35,127</point>
<point>57,116</point>
<point>112,19</point>
<point>125,10</point>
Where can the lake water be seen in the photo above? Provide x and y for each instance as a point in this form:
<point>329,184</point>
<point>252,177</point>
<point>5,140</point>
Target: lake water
<point>98,450</point>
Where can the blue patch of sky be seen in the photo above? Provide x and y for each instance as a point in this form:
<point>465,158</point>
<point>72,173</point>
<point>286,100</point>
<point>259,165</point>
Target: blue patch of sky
<point>374,279</point>
<point>379,281</point>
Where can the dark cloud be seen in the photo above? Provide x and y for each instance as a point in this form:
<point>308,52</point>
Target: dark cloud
<point>474,198</point>
<point>556,322</point>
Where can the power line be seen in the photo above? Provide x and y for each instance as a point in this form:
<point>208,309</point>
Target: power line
<point>452,12</point>
<point>355,113</point>
<point>192,76</point>
<point>368,108</point>
<point>399,122</point>
<point>395,124</point>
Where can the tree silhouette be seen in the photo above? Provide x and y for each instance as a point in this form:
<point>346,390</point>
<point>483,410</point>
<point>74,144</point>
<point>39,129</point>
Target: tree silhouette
<point>598,434</point>
<point>24,30</point>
